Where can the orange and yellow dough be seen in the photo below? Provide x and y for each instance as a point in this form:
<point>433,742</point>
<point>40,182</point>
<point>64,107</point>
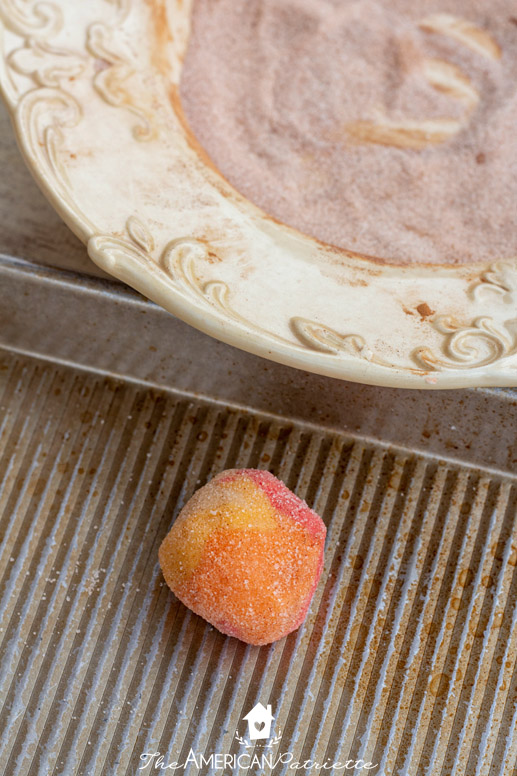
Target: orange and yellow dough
<point>246,554</point>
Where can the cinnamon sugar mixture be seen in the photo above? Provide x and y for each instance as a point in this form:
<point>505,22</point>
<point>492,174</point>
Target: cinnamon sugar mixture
<point>387,127</point>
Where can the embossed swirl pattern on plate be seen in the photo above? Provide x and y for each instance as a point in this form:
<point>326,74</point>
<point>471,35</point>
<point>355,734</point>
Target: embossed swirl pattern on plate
<point>46,110</point>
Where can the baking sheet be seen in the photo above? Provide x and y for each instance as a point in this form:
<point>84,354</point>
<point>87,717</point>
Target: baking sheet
<point>111,414</point>
<point>407,658</point>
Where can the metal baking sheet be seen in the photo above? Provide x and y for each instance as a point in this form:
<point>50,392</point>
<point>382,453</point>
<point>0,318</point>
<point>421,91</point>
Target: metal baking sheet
<point>406,660</point>
<point>111,414</point>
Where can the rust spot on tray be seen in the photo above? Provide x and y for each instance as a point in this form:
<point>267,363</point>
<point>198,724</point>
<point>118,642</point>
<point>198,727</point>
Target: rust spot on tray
<point>439,684</point>
<point>466,577</point>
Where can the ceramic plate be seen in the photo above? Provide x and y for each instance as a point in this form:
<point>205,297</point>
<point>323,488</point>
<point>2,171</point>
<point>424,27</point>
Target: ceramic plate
<point>92,88</point>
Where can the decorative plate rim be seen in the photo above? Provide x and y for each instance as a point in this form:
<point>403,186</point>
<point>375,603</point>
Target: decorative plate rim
<point>72,80</point>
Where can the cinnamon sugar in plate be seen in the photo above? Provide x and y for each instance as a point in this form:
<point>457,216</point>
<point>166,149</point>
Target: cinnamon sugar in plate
<point>387,127</point>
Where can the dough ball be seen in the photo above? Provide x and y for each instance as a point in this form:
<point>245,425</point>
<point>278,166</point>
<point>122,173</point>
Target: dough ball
<point>246,554</point>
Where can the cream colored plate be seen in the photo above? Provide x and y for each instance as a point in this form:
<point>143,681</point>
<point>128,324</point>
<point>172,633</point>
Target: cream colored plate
<point>92,89</point>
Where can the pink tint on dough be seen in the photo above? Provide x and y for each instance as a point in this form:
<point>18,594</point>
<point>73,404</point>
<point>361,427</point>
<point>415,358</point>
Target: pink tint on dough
<point>285,501</point>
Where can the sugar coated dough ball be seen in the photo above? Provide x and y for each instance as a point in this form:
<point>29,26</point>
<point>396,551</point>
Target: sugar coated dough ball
<point>246,554</point>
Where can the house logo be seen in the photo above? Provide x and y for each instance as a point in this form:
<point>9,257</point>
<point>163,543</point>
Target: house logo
<point>259,721</point>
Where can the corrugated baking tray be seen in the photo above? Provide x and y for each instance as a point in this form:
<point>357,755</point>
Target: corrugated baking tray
<point>111,414</point>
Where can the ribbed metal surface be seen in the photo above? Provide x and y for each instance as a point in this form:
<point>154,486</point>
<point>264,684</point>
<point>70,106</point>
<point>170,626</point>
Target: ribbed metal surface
<point>407,658</point>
